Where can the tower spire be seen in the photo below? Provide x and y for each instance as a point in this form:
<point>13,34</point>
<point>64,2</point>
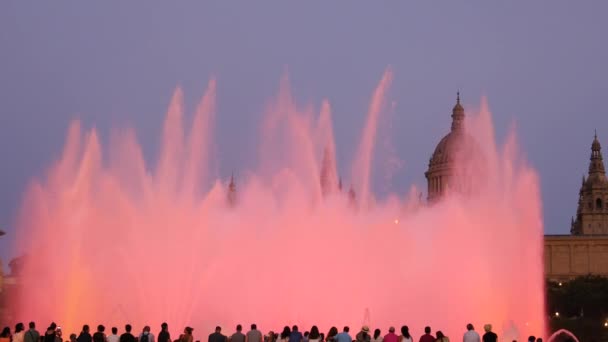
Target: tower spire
<point>591,217</point>
<point>457,114</point>
<point>596,162</point>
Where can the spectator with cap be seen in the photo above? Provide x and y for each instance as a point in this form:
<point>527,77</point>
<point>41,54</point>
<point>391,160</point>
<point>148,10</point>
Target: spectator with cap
<point>363,335</point>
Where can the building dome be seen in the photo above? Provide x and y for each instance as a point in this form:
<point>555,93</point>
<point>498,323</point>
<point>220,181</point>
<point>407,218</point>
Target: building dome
<point>450,148</point>
<point>453,152</point>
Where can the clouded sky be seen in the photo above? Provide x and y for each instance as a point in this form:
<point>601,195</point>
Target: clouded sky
<point>542,65</point>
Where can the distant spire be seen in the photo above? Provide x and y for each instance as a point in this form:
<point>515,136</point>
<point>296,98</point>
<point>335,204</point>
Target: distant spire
<point>457,114</point>
<point>231,191</point>
<point>596,164</point>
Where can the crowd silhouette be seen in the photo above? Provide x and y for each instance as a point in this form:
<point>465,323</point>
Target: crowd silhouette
<point>54,333</point>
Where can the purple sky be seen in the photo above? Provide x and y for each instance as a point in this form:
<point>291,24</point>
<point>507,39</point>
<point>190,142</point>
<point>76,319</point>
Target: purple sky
<point>541,64</point>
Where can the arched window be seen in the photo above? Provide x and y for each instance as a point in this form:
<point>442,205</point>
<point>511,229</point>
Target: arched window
<point>598,204</point>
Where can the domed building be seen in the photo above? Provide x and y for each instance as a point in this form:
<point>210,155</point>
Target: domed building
<point>448,166</point>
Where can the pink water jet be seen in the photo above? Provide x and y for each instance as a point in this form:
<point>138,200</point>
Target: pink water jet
<point>112,240</point>
<point>561,333</point>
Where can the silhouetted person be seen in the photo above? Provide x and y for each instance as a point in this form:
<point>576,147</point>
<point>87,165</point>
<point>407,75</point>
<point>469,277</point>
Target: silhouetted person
<point>405,334</point>
<point>187,335</point>
<point>114,337</point>
<point>471,335</point>
<point>254,335</point>
<point>441,337</point>
<point>377,337</point>
<point>85,335</point>
<point>238,336</point>
<point>363,335</point>
<point>391,336</point>
<point>19,332</point>
<point>163,335</point>
<point>146,335</point>
<point>427,337</point>
<point>314,335</point>
<point>217,336</point>
<point>32,335</point>
<point>270,337</point>
<point>531,339</point>
<point>489,336</point>
<point>58,335</point>
<point>284,336</point>
<point>331,335</point>
<point>127,336</point>
<point>49,335</point>
<point>100,335</point>
<point>344,336</point>
<point>295,335</point>
<point>5,336</point>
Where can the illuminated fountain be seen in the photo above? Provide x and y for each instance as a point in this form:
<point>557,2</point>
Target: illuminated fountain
<point>113,240</point>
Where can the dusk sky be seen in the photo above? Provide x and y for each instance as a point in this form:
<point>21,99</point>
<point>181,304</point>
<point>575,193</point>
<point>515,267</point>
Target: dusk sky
<point>541,64</point>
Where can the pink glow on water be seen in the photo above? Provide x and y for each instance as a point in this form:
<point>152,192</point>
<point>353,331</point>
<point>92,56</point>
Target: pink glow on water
<point>113,240</point>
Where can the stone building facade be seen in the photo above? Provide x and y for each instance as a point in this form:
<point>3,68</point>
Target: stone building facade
<point>569,256</point>
<point>583,251</point>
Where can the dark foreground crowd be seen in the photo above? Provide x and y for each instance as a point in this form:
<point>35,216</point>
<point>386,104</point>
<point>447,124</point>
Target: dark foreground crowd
<point>54,334</point>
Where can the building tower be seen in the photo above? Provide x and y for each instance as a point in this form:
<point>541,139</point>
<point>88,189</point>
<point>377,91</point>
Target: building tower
<point>444,166</point>
<point>592,214</point>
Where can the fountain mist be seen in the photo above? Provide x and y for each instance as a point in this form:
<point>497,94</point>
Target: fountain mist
<point>113,240</point>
